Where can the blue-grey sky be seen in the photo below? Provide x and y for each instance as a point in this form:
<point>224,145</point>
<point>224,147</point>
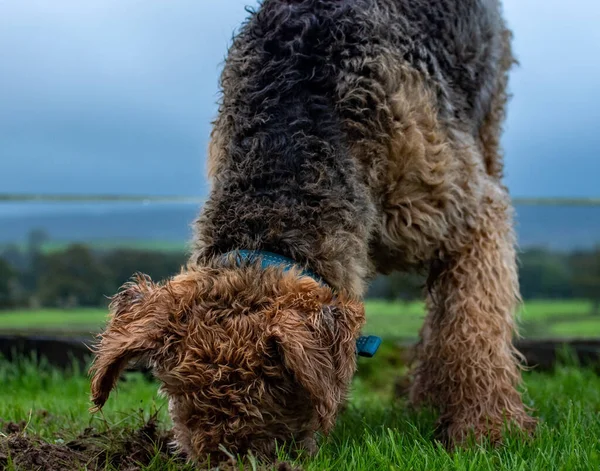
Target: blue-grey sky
<point>116,96</point>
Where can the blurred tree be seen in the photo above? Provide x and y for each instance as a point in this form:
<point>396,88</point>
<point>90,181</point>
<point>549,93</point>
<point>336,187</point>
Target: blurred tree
<point>81,276</point>
<point>123,263</point>
<point>8,278</point>
<point>36,240</point>
<point>586,279</point>
<point>406,287</point>
<point>30,276</point>
<point>544,275</point>
<point>15,257</point>
<point>379,288</point>
<point>73,277</point>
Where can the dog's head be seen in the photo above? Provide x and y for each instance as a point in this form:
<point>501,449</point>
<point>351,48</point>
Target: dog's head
<point>246,356</point>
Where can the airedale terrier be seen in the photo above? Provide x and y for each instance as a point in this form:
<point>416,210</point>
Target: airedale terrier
<point>354,137</point>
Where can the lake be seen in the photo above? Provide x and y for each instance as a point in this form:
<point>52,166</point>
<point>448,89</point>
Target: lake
<point>556,227</point>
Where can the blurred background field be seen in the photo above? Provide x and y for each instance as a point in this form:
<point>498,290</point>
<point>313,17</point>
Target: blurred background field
<point>56,277</point>
<point>391,320</point>
<point>60,261</point>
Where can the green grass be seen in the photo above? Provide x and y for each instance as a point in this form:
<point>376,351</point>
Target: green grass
<point>390,320</point>
<point>542,310</point>
<point>589,328</point>
<point>55,405</point>
<point>537,319</point>
<point>375,433</point>
<point>55,320</point>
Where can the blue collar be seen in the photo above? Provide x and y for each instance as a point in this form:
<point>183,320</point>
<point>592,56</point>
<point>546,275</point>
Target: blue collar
<point>366,346</point>
<point>270,259</point>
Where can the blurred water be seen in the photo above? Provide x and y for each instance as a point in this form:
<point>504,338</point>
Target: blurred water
<point>27,209</point>
<point>556,227</point>
<point>97,221</point>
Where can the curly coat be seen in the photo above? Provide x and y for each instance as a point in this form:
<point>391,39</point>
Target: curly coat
<point>246,356</point>
<point>355,137</point>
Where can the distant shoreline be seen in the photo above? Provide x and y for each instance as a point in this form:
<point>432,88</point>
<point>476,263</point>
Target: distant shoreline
<point>556,227</point>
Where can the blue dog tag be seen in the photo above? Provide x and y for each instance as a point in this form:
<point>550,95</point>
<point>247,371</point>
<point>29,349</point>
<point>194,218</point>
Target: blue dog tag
<point>367,345</point>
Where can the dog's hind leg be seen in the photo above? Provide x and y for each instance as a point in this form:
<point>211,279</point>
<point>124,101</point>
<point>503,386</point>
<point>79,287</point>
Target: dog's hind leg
<point>467,366</point>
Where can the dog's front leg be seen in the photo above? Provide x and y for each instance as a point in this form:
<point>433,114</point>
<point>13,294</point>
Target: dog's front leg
<point>467,366</point>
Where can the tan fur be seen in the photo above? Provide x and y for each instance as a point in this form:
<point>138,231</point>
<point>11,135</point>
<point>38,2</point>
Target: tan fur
<point>246,357</point>
<point>440,199</point>
<point>467,366</point>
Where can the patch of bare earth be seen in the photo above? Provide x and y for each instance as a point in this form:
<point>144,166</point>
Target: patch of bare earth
<point>92,450</point>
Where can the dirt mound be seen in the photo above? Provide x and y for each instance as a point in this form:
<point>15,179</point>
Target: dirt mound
<point>128,450</point>
<point>33,454</point>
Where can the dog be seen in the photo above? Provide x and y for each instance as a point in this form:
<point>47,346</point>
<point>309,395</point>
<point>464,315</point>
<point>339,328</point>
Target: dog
<point>354,137</point>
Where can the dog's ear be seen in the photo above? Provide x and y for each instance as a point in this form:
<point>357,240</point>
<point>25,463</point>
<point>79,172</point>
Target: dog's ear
<point>319,350</point>
<point>132,332</point>
<point>349,319</point>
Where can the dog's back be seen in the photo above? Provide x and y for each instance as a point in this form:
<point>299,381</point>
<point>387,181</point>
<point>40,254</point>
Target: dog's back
<point>306,84</point>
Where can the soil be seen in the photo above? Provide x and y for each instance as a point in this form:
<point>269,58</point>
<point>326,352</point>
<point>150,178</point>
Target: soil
<point>93,450</point>
<point>90,450</point>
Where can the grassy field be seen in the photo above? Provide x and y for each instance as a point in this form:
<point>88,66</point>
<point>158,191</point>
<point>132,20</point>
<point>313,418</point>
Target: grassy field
<point>391,320</point>
<point>45,419</point>
<point>53,320</point>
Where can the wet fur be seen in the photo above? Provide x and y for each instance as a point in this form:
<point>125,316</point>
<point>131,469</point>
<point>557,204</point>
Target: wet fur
<point>355,137</point>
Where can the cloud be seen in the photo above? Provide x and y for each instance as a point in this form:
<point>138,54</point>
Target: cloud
<point>551,138</point>
<point>118,95</point>
<point>110,95</point>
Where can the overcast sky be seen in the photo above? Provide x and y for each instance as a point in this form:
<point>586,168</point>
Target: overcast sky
<point>116,96</point>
